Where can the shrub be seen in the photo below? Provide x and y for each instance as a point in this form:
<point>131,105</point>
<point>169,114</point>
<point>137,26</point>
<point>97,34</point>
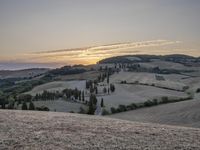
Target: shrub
<point>140,105</point>
<point>82,111</point>
<point>164,100</point>
<point>24,106</point>
<point>102,103</point>
<point>198,90</point>
<point>155,101</point>
<point>122,108</point>
<point>136,82</point>
<point>148,103</point>
<point>31,106</point>
<point>42,108</point>
<point>25,97</point>
<point>134,105</point>
<point>129,107</point>
<point>123,82</point>
<point>112,87</point>
<point>113,110</point>
<point>104,112</point>
<point>104,90</point>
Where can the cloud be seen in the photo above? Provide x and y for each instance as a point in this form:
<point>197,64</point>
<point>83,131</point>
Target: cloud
<point>101,51</point>
<point>92,54</point>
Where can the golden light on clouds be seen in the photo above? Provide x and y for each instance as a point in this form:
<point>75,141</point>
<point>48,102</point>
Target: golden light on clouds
<point>91,55</point>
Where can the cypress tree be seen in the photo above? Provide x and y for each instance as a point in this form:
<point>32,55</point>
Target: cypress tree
<point>31,106</point>
<point>102,103</point>
<point>92,104</point>
<point>83,96</point>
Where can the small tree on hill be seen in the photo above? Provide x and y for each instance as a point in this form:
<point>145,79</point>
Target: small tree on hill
<point>91,108</point>
<point>107,78</point>
<point>104,90</point>
<point>91,89</point>
<point>96,90</point>
<point>24,106</point>
<point>83,96</point>
<point>102,103</point>
<point>25,97</point>
<point>79,95</point>
<point>31,106</point>
<point>112,87</point>
<point>92,104</point>
<point>3,100</point>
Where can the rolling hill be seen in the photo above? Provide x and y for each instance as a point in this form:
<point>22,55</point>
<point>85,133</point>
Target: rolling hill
<point>186,113</point>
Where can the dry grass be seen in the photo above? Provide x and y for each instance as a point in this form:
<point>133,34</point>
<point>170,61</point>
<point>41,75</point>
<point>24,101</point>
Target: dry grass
<point>90,75</point>
<point>186,113</point>
<point>58,86</point>
<point>21,73</point>
<point>26,130</point>
<point>149,79</point>
<point>126,94</point>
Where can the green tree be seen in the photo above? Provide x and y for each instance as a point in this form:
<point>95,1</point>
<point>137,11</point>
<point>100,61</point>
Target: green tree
<point>104,90</point>
<point>108,78</point>
<point>96,90</point>
<point>3,100</point>
<point>11,102</point>
<point>91,89</point>
<point>112,87</point>
<point>83,96</point>
<point>25,97</point>
<point>102,103</point>
<point>31,106</point>
<point>92,104</point>
<point>79,95</point>
<point>24,106</point>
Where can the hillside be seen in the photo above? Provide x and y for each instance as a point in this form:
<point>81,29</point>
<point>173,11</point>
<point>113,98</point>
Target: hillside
<point>147,58</point>
<point>186,113</point>
<point>50,130</point>
<point>26,73</point>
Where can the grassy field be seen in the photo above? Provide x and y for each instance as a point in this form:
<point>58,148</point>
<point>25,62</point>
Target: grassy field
<point>89,75</point>
<point>57,105</point>
<point>126,94</point>
<point>58,86</point>
<point>149,79</point>
<point>26,73</point>
<point>165,65</point>
<point>185,113</point>
<point>60,105</point>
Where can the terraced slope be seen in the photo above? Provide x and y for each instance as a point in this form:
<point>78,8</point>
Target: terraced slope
<point>49,130</point>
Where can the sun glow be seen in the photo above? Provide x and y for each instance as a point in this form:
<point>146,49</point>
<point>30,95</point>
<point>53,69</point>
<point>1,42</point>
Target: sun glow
<point>92,54</point>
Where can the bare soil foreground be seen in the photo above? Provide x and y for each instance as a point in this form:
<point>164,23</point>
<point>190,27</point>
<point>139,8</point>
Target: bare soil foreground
<point>51,130</point>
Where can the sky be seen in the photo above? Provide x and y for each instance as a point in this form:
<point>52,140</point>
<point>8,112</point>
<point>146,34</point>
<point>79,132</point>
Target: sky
<point>52,33</point>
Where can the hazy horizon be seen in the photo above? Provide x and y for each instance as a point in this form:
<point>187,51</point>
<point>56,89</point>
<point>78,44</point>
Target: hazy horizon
<point>48,33</point>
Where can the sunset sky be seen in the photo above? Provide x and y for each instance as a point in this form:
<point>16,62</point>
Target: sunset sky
<point>52,33</point>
